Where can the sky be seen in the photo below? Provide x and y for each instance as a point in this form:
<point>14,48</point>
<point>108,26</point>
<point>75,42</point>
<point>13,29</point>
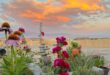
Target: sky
<point>70,18</point>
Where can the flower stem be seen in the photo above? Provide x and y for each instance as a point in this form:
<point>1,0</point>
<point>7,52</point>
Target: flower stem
<point>6,35</point>
<point>13,59</point>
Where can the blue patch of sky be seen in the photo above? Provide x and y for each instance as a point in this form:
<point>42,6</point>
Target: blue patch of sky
<point>1,20</point>
<point>5,1</point>
<point>11,19</point>
<point>2,35</point>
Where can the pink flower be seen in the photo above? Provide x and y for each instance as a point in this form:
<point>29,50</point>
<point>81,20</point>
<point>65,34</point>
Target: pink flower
<point>22,30</point>
<point>58,62</point>
<point>58,40</point>
<point>65,54</point>
<point>64,73</point>
<point>61,63</point>
<point>26,47</point>
<point>12,42</point>
<point>23,41</point>
<point>56,49</point>
<point>61,40</point>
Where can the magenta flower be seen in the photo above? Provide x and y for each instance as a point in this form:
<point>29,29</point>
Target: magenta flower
<point>58,40</point>
<point>64,73</point>
<point>61,41</point>
<point>61,63</point>
<point>63,38</point>
<point>56,49</point>
<point>22,30</point>
<point>58,62</point>
<point>65,54</point>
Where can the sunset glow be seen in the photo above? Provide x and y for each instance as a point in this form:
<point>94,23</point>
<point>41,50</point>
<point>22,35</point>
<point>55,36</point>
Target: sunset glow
<point>71,17</point>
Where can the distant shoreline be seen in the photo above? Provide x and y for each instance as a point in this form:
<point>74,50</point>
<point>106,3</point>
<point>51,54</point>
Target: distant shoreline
<point>85,42</point>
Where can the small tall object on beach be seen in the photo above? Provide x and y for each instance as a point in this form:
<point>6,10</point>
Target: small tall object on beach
<point>43,47</point>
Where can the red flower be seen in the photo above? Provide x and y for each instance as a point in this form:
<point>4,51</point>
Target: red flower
<point>61,63</point>
<point>58,62</point>
<point>65,54</point>
<point>66,65</point>
<point>56,49</point>
<point>64,73</point>
<point>42,33</point>
<point>65,43</point>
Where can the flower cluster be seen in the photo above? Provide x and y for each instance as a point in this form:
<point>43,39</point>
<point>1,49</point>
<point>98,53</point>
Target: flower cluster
<point>19,33</point>
<point>61,41</point>
<point>64,73</point>
<point>56,49</point>
<point>61,63</point>
<point>65,54</point>
<point>14,38</point>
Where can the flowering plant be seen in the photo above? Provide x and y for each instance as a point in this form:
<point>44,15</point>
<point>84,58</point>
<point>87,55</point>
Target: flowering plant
<point>61,66</point>
<point>6,28</point>
<point>15,63</point>
<point>61,41</point>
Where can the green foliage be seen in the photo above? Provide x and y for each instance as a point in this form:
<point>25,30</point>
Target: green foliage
<point>99,61</point>
<point>47,69</point>
<point>74,44</point>
<point>13,64</point>
<point>82,64</point>
<point>81,61</point>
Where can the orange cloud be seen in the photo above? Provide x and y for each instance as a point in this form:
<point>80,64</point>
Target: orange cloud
<point>33,15</point>
<point>86,5</point>
<point>46,10</point>
<point>90,5</point>
<point>38,17</point>
<point>63,18</point>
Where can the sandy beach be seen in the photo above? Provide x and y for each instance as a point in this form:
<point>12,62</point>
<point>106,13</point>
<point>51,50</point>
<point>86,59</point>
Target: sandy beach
<point>89,46</point>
